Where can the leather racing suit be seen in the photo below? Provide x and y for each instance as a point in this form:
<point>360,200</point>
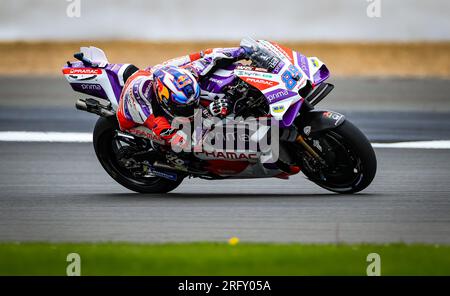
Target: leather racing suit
<point>139,112</point>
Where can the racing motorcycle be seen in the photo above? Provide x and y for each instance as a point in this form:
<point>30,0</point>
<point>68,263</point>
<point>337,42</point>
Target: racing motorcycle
<point>279,83</point>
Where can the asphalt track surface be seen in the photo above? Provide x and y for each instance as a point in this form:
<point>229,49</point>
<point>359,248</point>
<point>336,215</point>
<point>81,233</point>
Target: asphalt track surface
<point>59,192</point>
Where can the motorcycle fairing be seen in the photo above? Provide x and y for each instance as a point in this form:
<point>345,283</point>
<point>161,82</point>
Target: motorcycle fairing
<point>281,87</point>
<point>257,170</point>
<point>318,120</point>
<point>95,55</point>
<point>212,88</point>
<point>274,86</point>
<point>102,81</point>
<point>241,169</point>
<point>235,162</point>
<point>314,68</point>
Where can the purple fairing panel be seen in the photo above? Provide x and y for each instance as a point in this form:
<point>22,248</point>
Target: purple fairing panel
<point>92,89</point>
<point>291,114</point>
<point>234,52</point>
<point>321,75</point>
<point>216,83</point>
<point>115,84</point>
<point>95,90</point>
<point>279,94</point>
<point>112,71</point>
<point>302,62</point>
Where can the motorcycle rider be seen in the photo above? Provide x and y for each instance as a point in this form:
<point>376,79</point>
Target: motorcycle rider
<point>151,98</point>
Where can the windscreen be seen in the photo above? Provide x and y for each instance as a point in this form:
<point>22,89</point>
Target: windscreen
<point>259,55</point>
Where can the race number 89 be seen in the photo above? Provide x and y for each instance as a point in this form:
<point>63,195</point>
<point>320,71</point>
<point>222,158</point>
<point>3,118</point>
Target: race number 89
<point>290,77</point>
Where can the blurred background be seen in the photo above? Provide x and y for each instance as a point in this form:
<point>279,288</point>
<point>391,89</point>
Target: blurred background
<point>283,20</point>
<point>355,37</point>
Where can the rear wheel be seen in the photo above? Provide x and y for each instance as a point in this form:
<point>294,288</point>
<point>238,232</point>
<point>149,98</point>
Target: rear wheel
<point>104,133</point>
<point>350,161</point>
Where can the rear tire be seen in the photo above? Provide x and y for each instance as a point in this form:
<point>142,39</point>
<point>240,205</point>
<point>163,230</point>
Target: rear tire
<point>103,136</point>
<point>360,167</point>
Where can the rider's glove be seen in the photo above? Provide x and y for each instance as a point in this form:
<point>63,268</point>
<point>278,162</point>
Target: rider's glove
<point>249,46</point>
<point>219,107</point>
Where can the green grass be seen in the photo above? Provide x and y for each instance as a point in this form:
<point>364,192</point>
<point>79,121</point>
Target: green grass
<point>222,259</point>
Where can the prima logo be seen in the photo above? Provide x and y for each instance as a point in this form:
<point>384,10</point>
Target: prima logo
<point>281,93</point>
<point>85,86</point>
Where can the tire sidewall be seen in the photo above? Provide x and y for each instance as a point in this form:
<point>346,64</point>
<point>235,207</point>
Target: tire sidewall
<point>103,131</point>
<point>361,146</point>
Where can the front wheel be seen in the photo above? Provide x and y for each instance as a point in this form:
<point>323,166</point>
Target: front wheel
<point>104,133</point>
<point>350,161</point>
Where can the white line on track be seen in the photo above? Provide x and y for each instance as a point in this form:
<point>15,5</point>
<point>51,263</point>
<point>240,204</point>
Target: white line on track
<point>438,144</point>
<point>67,137</point>
<point>61,137</point>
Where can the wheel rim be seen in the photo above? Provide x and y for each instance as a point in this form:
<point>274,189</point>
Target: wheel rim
<point>109,159</point>
<point>346,172</point>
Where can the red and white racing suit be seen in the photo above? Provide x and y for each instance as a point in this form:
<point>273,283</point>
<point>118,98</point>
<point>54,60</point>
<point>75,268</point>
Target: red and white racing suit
<point>138,111</point>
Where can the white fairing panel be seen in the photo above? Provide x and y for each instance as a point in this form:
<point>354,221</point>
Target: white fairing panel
<point>92,81</point>
<point>96,55</point>
<point>314,66</point>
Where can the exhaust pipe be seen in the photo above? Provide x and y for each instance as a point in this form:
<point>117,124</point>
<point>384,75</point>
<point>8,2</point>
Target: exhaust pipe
<point>94,106</point>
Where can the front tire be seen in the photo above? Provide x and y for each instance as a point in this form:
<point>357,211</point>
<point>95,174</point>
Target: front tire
<point>351,159</point>
<point>103,138</point>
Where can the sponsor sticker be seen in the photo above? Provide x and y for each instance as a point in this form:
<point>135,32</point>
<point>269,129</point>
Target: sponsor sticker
<point>259,83</point>
<point>279,94</point>
<point>165,175</point>
<point>278,109</point>
<point>333,115</point>
<point>86,86</point>
<point>228,155</point>
<point>250,68</point>
<point>82,71</point>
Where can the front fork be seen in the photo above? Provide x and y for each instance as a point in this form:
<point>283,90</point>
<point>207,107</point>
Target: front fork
<point>300,140</point>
